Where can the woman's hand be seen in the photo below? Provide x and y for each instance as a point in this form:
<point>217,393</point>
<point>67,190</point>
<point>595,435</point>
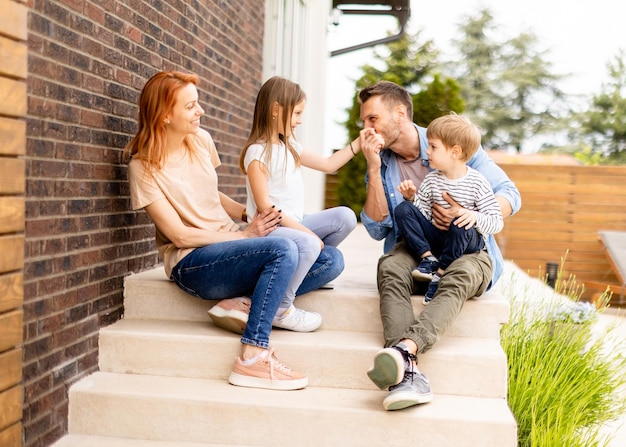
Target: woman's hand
<point>263,223</point>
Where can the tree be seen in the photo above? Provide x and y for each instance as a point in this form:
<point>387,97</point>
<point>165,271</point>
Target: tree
<point>604,124</point>
<point>477,73</point>
<point>508,88</point>
<point>411,65</point>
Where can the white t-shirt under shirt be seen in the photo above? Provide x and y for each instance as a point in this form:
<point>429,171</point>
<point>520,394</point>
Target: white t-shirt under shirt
<point>190,185</point>
<point>285,183</point>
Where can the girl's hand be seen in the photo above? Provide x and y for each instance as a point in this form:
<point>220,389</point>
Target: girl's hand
<point>263,223</point>
<point>407,189</point>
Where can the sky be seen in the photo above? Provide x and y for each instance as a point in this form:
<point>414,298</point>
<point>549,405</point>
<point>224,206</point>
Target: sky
<point>579,36</point>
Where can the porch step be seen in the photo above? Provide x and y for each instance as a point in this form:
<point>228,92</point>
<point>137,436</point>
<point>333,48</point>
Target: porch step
<point>164,369</point>
<point>462,366</point>
<point>351,306</point>
<point>108,441</point>
<point>205,410</point>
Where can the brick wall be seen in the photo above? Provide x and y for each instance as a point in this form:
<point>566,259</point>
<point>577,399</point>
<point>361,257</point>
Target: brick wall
<point>87,62</point>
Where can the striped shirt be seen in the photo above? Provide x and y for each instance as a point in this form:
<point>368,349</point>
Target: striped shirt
<point>471,191</point>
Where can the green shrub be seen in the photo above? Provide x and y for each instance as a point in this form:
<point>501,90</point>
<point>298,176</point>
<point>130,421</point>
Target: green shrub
<point>565,374</point>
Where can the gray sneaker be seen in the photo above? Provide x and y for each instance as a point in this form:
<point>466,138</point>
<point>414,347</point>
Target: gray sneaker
<point>413,390</point>
<point>389,366</point>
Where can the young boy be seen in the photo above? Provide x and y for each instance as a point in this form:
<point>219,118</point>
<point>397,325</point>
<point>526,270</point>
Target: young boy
<point>452,141</point>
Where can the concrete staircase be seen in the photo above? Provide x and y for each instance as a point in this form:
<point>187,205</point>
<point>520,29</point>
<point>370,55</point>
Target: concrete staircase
<point>164,369</point>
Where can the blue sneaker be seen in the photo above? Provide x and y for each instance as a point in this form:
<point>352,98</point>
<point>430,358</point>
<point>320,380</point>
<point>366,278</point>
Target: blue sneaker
<point>433,285</point>
<point>424,271</point>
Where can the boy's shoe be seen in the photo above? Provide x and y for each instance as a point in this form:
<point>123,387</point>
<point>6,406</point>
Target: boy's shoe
<point>414,389</point>
<point>433,285</point>
<point>389,366</point>
<point>266,372</point>
<point>424,271</point>
<point>231,314</point>
<point>298,320</point>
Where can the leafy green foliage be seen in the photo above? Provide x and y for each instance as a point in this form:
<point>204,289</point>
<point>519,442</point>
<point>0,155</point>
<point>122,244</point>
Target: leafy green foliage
<point>604,124</point>
<point>508,88</point>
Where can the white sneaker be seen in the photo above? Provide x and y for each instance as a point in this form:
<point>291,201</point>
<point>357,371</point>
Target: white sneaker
<point>298,320</point>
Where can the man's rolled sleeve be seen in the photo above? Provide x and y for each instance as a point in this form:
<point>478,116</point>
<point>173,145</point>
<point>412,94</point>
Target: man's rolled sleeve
<point>377,230</point>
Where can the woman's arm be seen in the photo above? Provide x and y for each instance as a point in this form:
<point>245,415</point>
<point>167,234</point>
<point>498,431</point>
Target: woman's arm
<point>169,223</point>
<point>234,209</point>
<point>333,162</point>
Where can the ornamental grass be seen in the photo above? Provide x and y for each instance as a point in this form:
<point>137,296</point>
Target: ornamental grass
<point>567,376</point>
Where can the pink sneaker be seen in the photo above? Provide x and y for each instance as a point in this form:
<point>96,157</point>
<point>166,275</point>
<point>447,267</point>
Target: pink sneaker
<point>266,372</point>
<point>231,314</point>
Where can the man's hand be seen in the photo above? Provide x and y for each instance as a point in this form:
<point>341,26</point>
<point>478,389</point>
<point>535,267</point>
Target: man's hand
<point>371,144</point>
<point>443,216</point>
<point>408,190</point>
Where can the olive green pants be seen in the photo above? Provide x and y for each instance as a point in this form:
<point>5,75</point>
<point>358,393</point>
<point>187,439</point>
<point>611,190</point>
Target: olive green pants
<point>465,278</point>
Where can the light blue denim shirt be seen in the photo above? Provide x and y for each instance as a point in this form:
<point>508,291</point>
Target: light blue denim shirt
<point>390,174</point>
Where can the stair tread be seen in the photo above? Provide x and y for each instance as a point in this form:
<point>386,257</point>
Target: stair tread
<point>109,441</point>
<point>314,411</point>
<point>149,295</point>
<point>218,392</point>
<point>457,365</point>
<point>178,329</point>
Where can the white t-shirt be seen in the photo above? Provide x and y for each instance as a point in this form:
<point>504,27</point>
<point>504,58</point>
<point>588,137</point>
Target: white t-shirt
<point>285,184</point>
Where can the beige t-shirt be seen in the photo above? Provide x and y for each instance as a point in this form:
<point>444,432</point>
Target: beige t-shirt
<point>190,185</point>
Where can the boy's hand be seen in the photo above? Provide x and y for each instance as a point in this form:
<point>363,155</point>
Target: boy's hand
<point>465,218</point>
<point>407,189</point>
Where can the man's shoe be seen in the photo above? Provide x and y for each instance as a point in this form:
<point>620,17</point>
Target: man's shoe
<point>231,314</point>
<point>414,389</point>
<point>424,271</point>
<point>298,320</point>
<point>389,366</point>
<point>266,372</point>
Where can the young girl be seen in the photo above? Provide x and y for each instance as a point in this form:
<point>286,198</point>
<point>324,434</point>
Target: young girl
<point>272,159</point>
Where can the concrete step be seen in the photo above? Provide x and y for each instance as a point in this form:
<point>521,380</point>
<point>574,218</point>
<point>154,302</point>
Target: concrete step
<point>350,306</point>
<point>457,365</point>
<point>212,411</point>
<point>108,441</point>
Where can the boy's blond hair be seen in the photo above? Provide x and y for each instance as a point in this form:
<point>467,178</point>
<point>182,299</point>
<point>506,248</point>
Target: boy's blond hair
<point>453,130</point>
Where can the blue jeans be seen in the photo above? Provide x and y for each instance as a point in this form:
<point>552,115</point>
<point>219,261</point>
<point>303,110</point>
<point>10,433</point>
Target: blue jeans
<point>422,236</point>
<point>327,267</point>
<point>308,251</point>
<point>260,268</point>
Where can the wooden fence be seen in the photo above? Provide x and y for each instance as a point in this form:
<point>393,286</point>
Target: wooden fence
<point>563,208</point>
<point>13,69</point>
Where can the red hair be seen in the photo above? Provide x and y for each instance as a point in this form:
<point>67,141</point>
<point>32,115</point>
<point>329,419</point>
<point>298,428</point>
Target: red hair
<point>156,100</point>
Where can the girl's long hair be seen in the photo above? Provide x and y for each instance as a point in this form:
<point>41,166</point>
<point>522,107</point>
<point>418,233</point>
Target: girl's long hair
<point>286,94</point>
<point>156,100</point>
